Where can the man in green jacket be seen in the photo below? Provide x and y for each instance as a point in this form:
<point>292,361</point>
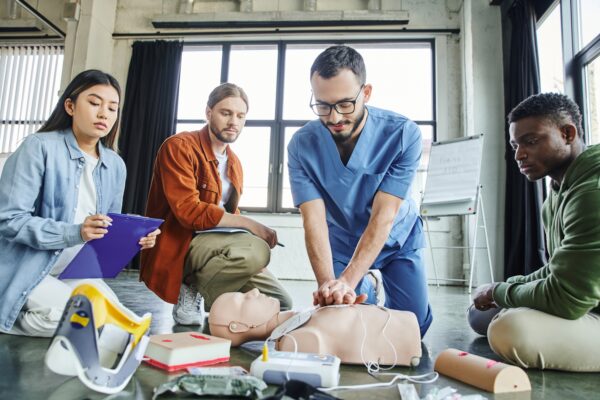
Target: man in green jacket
<point>551,318</point>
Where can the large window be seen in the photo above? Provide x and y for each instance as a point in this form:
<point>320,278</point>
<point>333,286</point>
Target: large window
<point>581,44</point>
<point>276,79</point>
<point>29,82</point>
<point>569,53</point>
<point>550,52</point>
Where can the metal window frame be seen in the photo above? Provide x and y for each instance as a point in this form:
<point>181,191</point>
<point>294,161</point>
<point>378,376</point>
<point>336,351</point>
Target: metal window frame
<point>278,124</point>
<point>575,60</point>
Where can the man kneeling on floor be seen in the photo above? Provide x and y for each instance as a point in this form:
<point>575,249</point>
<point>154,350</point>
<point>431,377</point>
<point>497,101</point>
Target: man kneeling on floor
<point>551,318</point>
<point>196,186</point>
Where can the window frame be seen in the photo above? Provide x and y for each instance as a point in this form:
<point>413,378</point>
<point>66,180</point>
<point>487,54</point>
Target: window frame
<point>575,60</point>
<point>40,91</point>
<point>278,125</point>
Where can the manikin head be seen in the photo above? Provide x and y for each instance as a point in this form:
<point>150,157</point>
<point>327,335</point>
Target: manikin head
<point>242,317</point>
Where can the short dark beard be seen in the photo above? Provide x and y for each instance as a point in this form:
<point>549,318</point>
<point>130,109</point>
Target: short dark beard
<point>343,139</point>
<point>219,136</point>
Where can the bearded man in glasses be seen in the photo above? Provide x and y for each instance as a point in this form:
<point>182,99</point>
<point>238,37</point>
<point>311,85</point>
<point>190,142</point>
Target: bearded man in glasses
<point>350,173</point>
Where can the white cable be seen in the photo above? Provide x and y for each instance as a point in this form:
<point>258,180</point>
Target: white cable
<point>373,367</point>
<point>414,379</point>
<point>287,370</point>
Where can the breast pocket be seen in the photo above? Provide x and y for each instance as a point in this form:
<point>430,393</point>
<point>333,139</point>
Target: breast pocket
<point>209,192</point>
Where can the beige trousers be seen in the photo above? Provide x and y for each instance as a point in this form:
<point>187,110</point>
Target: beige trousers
<point>534,339</point>
<point>218,263</point>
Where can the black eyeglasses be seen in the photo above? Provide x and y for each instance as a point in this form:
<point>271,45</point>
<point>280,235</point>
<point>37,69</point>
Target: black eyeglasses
<point>341,107</point>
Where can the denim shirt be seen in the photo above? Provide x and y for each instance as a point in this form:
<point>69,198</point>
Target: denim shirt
<point>38,197</point>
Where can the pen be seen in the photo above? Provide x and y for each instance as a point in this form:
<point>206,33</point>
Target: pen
<point>280,244</point>
<point>107,223</point>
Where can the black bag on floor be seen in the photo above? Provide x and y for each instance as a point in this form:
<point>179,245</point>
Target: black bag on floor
<point>300,390</point>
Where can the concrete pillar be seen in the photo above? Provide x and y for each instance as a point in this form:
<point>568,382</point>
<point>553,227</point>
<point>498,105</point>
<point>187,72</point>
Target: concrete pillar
<point>483,97</point>
<point>89,43</point>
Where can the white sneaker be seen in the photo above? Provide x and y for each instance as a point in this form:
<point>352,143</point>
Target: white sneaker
<point>189,309</point>
<point>377,279</point>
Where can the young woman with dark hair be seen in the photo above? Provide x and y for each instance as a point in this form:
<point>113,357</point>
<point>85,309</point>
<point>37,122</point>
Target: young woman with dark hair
<point>55,192</point>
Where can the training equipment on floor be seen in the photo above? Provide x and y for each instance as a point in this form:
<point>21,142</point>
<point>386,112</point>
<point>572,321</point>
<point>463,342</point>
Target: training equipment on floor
<point>319,370</point>
<point>492,376</point>
<point>98,340</point>
<point>177,351</point>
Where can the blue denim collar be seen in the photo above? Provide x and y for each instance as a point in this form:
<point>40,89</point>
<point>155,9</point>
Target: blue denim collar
<point>76,153</point>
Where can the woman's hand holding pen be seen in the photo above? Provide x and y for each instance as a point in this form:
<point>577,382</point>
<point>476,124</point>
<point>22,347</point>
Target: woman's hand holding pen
<point>95,227</point>
<point>149,241</point>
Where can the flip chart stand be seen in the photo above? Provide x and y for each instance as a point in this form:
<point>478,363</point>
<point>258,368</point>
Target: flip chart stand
<point>480,223</point>
<point>453,189</point>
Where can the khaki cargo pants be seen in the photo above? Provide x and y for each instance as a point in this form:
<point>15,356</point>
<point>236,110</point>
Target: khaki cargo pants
<point>218,263</point>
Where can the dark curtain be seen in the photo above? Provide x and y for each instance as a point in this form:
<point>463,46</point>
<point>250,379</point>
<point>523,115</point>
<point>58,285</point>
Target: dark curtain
<point>149,114</point>
<point>524,246</point>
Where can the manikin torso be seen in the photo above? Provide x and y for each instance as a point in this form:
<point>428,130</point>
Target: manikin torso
<point>355,333</point>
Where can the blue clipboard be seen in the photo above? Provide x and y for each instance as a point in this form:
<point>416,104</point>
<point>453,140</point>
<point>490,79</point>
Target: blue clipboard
<point>106,257</point>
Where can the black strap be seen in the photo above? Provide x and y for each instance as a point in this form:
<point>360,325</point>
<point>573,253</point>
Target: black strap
<point>301,391</point>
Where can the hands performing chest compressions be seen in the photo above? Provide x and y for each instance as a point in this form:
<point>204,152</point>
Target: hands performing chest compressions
<point>351,179</point>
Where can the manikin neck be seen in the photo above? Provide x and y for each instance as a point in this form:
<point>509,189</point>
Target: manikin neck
<point>278,319</point>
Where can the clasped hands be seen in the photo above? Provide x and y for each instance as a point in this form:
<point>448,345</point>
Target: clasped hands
<point>336,291</point>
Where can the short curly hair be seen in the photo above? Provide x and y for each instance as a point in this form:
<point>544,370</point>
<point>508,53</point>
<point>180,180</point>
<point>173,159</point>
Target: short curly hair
<point>556,107</point>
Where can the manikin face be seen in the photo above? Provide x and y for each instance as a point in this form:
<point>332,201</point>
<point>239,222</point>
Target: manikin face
<point>94,112</point>
<point>342,87</point>
<point>243,309</point>
<point>227,118</point>
<point>541,147</point>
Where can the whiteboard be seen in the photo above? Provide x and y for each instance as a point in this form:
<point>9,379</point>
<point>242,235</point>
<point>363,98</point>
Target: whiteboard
<point>452,183</point>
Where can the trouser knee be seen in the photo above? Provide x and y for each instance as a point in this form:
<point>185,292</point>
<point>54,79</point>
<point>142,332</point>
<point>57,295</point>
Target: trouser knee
<point>255,257</point>
<point>509,336</point>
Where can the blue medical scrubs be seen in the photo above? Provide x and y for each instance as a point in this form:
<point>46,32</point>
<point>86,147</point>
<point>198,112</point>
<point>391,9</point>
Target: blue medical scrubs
<point>385,158</point>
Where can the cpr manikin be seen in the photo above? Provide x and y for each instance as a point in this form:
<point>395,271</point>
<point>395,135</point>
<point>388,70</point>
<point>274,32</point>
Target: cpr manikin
<point>357,334</point>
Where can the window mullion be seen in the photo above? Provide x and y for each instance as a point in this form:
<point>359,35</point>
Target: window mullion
<point>276,182</point>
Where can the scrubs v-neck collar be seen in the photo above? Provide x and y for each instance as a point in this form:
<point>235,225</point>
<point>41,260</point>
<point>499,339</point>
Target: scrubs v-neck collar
<point>356,158</point>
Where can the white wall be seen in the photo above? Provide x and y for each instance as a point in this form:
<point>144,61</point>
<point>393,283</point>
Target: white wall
<point>290,261</point>
<point>468,86</point>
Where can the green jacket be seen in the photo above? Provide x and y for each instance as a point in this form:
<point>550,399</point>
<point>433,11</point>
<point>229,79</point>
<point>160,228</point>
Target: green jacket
<point>569,285</point>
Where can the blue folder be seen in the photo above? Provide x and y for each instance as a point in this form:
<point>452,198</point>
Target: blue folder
<point>106,257</point>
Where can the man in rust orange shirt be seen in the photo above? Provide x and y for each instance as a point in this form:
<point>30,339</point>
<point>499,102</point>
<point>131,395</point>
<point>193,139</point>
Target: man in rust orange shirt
<point>196,186</point>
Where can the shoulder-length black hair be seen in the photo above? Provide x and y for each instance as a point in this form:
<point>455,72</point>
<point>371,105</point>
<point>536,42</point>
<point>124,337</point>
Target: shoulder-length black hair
<point>60,120</point>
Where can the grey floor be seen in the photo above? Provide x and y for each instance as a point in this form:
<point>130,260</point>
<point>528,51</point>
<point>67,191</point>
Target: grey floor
<point>24,376</point>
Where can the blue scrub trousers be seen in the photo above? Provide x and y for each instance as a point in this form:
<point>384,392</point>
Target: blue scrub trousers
<point>404,282</point>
